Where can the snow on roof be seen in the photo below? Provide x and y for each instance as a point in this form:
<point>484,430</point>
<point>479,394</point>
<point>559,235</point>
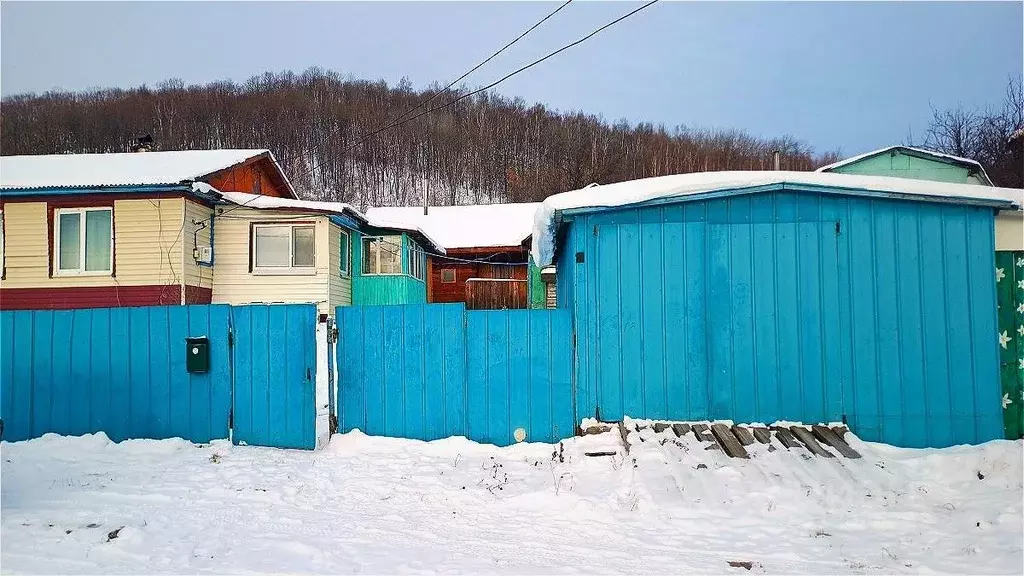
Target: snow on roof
<point>258,202</point>
<point>473,226</point>
<point>937,155</point>
<point>697,183</point>
<point>119,169</point>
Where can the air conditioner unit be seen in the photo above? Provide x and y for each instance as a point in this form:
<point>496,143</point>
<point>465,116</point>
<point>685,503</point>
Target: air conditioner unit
<point>203,254</point>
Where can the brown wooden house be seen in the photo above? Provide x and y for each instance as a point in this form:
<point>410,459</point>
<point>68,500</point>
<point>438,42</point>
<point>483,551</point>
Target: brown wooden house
<point>486,264</point>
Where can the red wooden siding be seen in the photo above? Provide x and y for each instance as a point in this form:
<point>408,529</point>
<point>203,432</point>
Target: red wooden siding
<point>255,177</point>
<point>100,297</point>
<point>441,292</point>
<point>495,294</point>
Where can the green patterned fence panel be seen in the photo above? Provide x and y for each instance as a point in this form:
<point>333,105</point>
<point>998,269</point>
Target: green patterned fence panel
<point>1010,290</point>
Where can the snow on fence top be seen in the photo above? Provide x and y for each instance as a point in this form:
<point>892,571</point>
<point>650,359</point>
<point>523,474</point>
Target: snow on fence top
<point>474,226</point>
<point>681,185</point>
<point>259,202</point>
<point>119,169</point>
<point>937,155</point>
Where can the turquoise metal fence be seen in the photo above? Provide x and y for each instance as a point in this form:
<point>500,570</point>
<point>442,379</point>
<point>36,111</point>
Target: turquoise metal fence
<point>428,371</point>
<point>115,370</point>
<point>274,367</point>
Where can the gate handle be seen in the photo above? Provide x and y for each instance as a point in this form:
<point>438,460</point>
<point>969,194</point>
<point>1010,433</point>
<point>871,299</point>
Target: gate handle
<point>309,375</point>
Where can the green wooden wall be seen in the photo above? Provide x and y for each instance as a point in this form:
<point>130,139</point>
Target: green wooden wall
<point>1010,293</point>
<point>536,285</point>
<point>376,289</point>
<point>902,165</point>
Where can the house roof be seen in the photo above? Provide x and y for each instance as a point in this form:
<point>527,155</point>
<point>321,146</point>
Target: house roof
<point>473,226</point>
<point>712,184</point>
<point>257,202</point>
<point>939,156</point>
<point>123,169</point>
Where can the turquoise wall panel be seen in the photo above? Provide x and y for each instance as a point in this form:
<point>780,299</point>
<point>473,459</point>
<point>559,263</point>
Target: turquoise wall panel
<point>114,370</point>
<point>902,165</point>
<point>379,290</point>
<point>788,306</point>
<point>429,371</point>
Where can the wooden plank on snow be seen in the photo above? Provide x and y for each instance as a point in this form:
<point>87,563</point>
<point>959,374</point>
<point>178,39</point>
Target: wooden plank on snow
<point>785,437</point>
<point>805,436</point>
<point>702,432</point>
<point>826,435</point>
<point>681,429</point>
<point>623,433</point>
<point>762,435</point>
<point>743,435</point>
<point>728,441</point>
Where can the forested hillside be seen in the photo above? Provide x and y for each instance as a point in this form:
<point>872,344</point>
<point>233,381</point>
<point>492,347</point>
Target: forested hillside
<point>486,148</point>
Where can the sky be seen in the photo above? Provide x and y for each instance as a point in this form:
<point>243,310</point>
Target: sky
<point>839,76</point>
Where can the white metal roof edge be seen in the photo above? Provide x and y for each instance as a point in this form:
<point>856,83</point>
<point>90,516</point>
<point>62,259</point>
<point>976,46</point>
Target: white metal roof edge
<point>924,151</point>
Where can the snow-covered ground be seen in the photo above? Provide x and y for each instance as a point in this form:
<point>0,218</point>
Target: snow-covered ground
<point>375,505</point>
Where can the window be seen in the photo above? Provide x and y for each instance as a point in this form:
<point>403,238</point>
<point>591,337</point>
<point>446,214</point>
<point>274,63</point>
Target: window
<point>346,259</point>
<point>447,275</point>
<point>417,261</point>
<point>85,240</point>
<point>283,248</point>
<point>3,263</point>
<point>382,255</point>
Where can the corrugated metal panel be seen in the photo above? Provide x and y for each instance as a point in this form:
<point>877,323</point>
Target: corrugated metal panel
<point>120,371</point>
<point>789,306</point>
<point>431,371</point>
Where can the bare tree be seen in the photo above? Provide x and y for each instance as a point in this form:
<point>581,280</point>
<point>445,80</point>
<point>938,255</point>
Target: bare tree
<point>983,135</point>
<point>486,148</point>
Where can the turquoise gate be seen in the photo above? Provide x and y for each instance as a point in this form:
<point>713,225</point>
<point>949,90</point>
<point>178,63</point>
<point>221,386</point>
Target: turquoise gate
<point>122,371</point>
<point>274,365</point>
<point>428,371</point>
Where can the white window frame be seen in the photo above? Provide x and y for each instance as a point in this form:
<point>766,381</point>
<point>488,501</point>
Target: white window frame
<point>345,266</point>
<point>401,255</point>
<point>290,270</point>
<point>80,271</point>
<point>417,261</point>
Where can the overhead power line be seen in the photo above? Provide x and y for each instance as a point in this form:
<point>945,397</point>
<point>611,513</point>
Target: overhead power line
<point>474,68</point>
<point>485,61</point>
<point>492,84</point>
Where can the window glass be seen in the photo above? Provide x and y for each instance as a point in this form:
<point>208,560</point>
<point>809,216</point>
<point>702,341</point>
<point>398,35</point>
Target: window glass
<point>369,256</point>
<point>272,246</point>
<point>69,228</point>
<point>344,254</point>
<point>391,255</point>
<point>447,275</point>
<point>302,246</point>
<point>97,240</point>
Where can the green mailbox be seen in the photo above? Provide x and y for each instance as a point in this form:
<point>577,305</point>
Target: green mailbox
<point>197,355</point>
